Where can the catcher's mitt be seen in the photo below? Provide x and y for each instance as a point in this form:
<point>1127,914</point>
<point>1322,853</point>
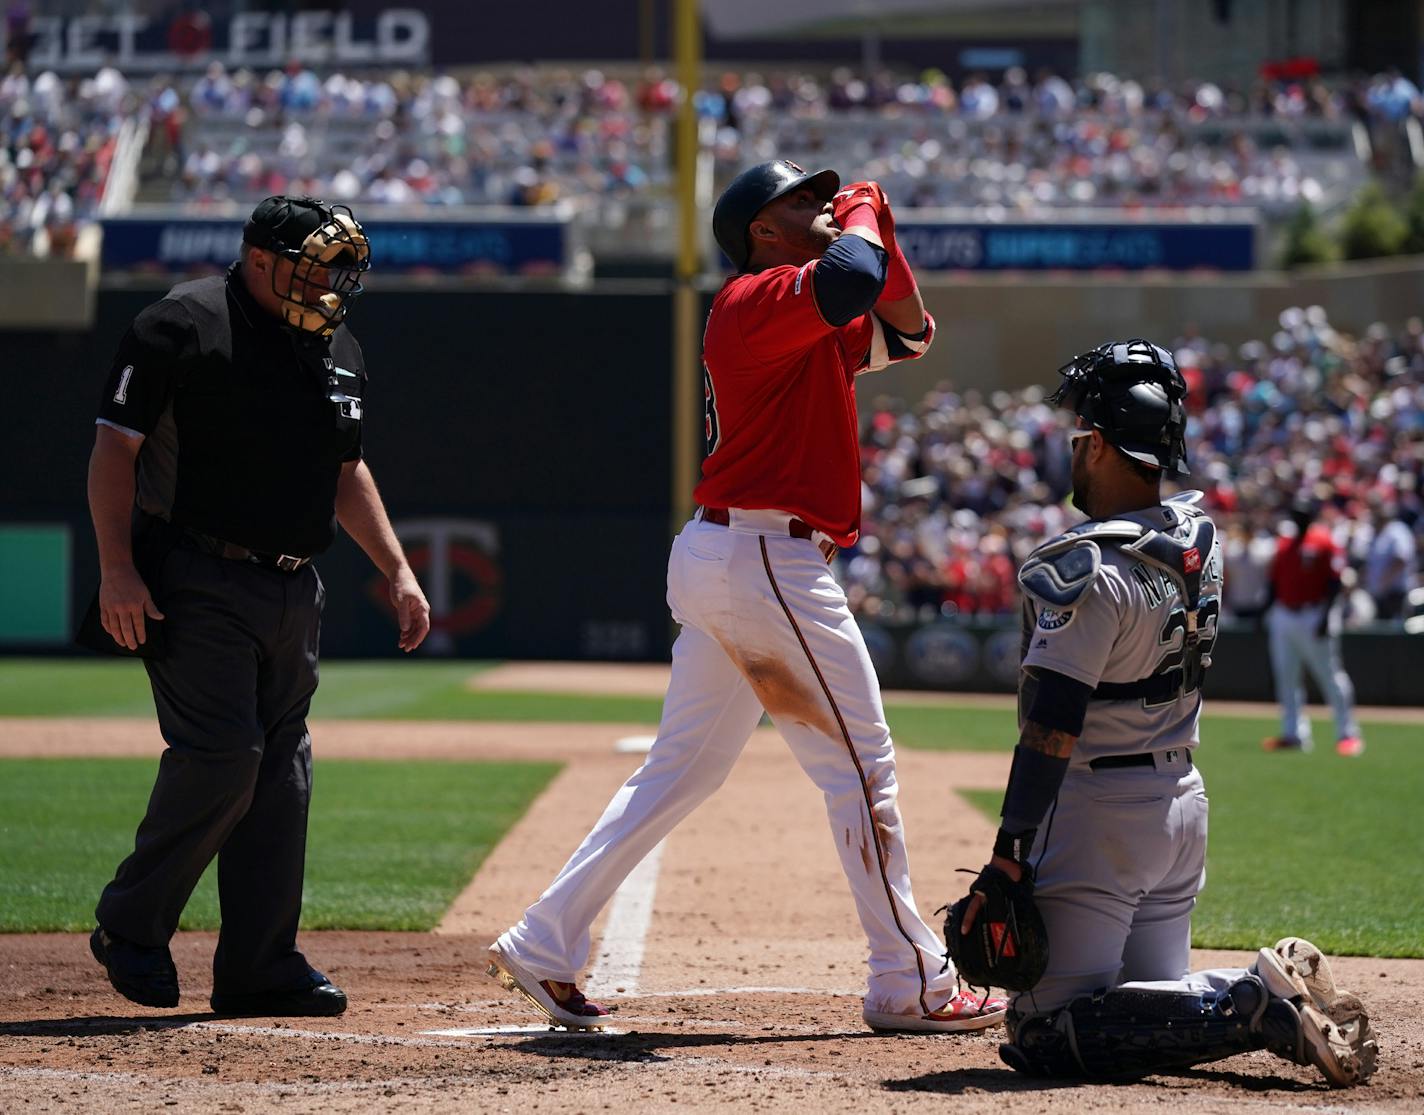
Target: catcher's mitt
<point>1007,946</point>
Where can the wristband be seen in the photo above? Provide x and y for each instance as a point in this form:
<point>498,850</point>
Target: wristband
<point>1014,845</point>
<point>899,279</point>
<point>861,216</point>
<point>1033,784</point>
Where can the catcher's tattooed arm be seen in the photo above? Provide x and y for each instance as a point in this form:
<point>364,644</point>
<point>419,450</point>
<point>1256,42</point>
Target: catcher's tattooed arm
<point>1046,741</point>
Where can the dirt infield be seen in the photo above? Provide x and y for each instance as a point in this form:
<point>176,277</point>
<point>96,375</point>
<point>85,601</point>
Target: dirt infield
<point>746,996</point>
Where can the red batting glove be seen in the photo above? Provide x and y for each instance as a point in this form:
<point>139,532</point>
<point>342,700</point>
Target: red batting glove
<point>849,205</point>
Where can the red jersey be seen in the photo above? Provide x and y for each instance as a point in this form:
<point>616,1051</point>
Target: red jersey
<point>1304,567</point>
<point>779,382</point>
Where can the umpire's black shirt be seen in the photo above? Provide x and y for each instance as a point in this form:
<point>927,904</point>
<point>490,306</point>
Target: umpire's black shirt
<point>245,431</point>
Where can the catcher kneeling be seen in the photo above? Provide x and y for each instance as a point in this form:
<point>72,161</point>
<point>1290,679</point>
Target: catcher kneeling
<point>1085,907</point>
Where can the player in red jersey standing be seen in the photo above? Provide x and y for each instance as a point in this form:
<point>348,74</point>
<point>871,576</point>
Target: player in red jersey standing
<point>822,295</point>
<point>1303,625</point>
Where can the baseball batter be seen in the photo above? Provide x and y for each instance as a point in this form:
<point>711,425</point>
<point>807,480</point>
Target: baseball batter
<point>822,295</point>
<point>1105,814</point>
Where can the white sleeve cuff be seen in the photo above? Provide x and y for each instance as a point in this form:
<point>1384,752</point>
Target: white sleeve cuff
<point>122,429</point>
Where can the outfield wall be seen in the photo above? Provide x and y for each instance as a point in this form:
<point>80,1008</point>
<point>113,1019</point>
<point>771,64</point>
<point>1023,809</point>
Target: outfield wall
<point>983,657</point>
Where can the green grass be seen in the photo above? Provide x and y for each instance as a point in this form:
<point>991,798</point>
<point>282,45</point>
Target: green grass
<point>947,727</point>
<point>1308,844</point>
<point>414,690</point>
<point>1312,845</point>
<point>390,844</point>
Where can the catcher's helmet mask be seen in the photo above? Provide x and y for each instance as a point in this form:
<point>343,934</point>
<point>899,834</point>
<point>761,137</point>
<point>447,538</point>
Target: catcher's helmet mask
<point>754,189</point>
<point>1132,392</point>
<point>312,236</point>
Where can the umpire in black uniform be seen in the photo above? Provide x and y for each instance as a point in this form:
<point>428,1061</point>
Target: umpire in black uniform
<point>228,448</point>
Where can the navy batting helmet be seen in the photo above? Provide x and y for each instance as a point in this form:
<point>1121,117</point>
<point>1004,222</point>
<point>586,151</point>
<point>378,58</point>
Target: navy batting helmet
<point>1132,392</point>
<point>754,188</point>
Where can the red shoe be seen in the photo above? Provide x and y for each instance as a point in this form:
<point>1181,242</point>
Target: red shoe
<point>562,1003</point>
<point>961,1013</point>
<point>1283,743</point>
<point>1351,747</point>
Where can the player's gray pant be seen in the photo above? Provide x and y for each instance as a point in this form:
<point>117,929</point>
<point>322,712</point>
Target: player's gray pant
<point>232,695</point>
<point>1120,862</point>
<point>1295,645</point>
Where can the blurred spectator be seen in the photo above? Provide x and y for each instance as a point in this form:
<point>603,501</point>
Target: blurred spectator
<point>1392,564</point>
<point>1248,552</point>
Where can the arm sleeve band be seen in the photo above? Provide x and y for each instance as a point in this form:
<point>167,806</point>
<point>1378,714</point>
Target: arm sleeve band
<point>899,279</point>
<point>849,278</point>
<point>1033,784</point>
<point>1060,702</point>
<point>905,346</point>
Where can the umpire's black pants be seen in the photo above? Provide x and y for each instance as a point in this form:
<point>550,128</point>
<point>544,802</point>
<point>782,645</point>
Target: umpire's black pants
<point>232,695</point>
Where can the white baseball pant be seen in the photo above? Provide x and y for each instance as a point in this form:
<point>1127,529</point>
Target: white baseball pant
<point>764,626</point>
<point>1294,644</point>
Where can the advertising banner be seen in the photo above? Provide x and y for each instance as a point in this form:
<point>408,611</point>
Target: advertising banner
<point>537,245</point>
<point>1121,246</point>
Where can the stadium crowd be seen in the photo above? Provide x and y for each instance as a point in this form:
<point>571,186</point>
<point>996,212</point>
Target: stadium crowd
<point>538,136</point>
<point>57,138</point>
<point>959,487</point>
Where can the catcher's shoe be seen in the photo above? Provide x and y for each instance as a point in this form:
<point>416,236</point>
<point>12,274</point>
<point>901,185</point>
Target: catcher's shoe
<point>1295,968</point>
<point>1334,1027</point>
<point>562,1003</point>
<point>961,1013</point>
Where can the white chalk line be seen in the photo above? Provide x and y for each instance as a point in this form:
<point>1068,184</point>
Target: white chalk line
<point>520,1031</point>
<point>683,993</point>
<point>625,934</point>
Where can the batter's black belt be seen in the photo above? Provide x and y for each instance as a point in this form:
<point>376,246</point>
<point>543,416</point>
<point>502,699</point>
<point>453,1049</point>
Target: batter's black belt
<point>206,543</point>
<point>797,528</point>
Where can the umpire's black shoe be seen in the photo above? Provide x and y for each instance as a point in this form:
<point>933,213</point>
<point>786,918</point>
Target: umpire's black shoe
<point>315,996</point>
<point>141,973</point>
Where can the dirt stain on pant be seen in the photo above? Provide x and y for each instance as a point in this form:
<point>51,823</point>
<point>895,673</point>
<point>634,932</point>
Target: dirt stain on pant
<point>786,696</point>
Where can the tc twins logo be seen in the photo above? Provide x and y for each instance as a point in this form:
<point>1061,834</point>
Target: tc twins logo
<point>457,561</point>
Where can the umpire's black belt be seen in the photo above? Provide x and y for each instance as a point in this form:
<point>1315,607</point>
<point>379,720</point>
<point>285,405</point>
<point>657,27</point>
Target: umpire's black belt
<point>1142,759</point>
<point>206,543</point>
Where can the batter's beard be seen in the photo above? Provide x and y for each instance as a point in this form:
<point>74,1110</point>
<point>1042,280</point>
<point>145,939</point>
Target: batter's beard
<point>814,239</point>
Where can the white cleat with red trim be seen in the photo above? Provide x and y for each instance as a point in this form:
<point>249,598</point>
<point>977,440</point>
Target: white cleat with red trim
<point>562,1003</point>
<point>962,1013</point>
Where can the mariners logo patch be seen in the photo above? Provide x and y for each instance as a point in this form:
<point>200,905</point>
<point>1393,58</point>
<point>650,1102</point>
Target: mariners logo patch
<point>1191,560</point>
<point>1051,619</point>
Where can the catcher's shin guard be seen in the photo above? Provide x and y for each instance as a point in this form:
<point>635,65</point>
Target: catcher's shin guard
<point>1130,1032</point>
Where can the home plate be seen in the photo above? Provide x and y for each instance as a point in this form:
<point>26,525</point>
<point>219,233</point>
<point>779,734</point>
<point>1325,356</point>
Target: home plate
<point>635,744</point>
<point>497,1031</point>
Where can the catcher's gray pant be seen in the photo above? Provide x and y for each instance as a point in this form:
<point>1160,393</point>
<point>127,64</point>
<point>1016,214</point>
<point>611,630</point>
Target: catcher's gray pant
<point>232,695</point>
<point>764,626</point>
<point>1120,862</point>
<point>1294,644</point>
